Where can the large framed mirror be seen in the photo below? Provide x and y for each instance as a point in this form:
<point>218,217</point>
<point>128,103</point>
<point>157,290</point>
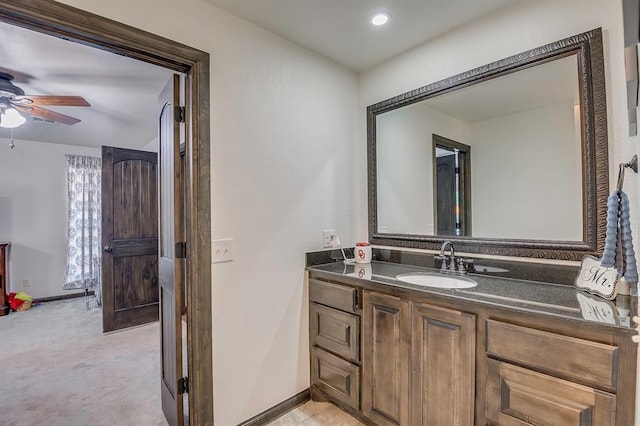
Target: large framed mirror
<point>510,158</point>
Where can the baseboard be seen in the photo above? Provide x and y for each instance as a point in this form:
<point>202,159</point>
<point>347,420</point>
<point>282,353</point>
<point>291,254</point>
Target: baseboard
<point>278,410</point>
<point>63,297</point>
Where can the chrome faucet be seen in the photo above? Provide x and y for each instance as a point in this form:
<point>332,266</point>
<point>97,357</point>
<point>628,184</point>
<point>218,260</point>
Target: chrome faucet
<point>450,263</point>
<point>445,245</point>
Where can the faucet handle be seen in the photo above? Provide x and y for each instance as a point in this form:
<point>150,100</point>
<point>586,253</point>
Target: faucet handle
<point>443,262</point>
<point>465,265</point>
<point>462,267</point>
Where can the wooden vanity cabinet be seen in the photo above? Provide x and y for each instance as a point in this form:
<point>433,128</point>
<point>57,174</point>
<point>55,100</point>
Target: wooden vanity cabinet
<point>385,359</point>
<point>418,363</point>
<point>334,334</point>
<point>392,359</point>
<point>519,396</point>
<point>443,360</point>
<point>538,377</point>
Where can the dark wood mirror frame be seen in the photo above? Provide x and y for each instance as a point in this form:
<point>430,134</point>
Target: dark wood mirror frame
<point>595,163</point>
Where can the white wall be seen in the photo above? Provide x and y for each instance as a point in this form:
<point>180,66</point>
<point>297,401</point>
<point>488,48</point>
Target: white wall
<point>514,160</point>
<point>405,170</point>
<point>33,213</point>
<point>284,132</point>
<point>523,26</point>
<point>152,146</point>
<point>284,160</point>
<point>526,25</point>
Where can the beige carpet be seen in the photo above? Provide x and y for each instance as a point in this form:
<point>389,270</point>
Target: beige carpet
<point>57,368</point>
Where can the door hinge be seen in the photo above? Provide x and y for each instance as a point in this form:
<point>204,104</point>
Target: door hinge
<point>181,250</point>
<point>357,297</point>
<point>183,385</point>
<point>179,114</point>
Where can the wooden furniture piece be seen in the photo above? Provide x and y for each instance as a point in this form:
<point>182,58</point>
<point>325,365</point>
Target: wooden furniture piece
<point>574,383</point>
<point>385,359</point>
<point>4,278</point>
<point>428,359</point>
<point>334,334</point>
<point>443,361</point>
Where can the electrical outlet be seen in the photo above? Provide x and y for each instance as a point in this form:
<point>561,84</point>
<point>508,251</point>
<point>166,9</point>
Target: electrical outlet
<point>326,237</point>
<point>25,283</point>
<point>222,250</point>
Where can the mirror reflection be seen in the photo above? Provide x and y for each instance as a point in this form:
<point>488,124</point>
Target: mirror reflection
<point>499,159</point>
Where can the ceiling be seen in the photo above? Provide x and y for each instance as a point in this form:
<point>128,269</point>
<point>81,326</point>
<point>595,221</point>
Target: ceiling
<point>122,92</point>
<point>342,31</point>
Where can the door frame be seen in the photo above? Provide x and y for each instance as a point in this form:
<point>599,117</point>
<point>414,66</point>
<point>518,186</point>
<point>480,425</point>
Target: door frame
<point>67,22</point>
<point>465,177</point>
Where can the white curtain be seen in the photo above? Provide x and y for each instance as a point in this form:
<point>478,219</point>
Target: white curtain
<point>84,224</point>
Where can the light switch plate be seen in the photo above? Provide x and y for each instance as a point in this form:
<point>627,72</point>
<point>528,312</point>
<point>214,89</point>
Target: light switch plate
<point>222,250</point>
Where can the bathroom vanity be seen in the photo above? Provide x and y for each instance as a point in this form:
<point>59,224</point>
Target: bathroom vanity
<point>452,161</point>
<point>507,351</point>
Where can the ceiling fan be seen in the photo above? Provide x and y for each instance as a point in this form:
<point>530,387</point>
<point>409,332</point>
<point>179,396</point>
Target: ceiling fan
<point>13,103</point>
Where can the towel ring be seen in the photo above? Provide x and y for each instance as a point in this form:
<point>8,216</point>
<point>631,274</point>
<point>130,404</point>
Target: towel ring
<point>633,165</point>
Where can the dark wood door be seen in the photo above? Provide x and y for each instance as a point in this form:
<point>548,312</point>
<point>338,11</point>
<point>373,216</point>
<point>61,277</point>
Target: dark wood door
<point>171,258</point>
<point>385,360</point>
<point>129,238</point>
<point>443,366</point>
<point>446,195</point>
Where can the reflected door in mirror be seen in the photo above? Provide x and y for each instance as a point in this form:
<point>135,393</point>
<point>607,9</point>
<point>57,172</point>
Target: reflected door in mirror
<point>452,187</point>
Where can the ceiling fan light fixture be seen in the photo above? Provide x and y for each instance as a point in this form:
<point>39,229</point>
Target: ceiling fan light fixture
<point>11,118</point>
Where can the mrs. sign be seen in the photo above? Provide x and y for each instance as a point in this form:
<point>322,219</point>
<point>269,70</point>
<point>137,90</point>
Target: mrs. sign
<point>597,279</point>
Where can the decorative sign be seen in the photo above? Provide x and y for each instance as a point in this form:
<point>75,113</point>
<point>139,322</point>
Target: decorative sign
<point>597,279</point>
<point>597,310</point>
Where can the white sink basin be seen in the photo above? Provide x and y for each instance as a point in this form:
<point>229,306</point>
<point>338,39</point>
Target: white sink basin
<point>427,279</point>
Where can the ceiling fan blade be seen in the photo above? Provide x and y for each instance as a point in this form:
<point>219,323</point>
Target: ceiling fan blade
<point>47,113</point>
<point>78,101</point>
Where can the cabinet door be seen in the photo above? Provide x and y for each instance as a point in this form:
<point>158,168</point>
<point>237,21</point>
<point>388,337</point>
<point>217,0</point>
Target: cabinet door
<point>337,378</point>
<point>517,396</point>
<point>442,366</point>
<point>335,331</point>
<point>385,359</point>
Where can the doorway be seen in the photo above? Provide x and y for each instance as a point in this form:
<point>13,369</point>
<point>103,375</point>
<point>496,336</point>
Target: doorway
<point>79,26</point>
<point>451,187</point>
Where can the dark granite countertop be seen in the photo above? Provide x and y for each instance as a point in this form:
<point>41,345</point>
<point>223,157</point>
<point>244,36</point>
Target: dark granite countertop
<point>559,300</point>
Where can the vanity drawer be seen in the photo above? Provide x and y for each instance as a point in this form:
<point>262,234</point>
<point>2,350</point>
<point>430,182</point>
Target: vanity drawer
<point>517,396</point>
<point>337,378</point>
<point>335,331</point>
<point>579,360</point>
<point>334,295</point>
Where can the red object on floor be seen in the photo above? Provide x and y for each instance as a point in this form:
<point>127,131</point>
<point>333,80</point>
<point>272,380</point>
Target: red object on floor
<point>13,302</point>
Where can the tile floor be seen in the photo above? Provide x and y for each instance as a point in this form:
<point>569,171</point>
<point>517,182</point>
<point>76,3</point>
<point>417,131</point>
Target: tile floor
<point>316,414</point>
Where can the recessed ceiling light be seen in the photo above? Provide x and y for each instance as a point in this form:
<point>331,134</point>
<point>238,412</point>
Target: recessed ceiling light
<point>380,18</point>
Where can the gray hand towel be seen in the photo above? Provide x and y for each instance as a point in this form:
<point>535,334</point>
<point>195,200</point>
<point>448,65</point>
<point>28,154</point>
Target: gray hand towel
<point>611,239</point>
<point>618,247</point>
<point>628,254</point>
